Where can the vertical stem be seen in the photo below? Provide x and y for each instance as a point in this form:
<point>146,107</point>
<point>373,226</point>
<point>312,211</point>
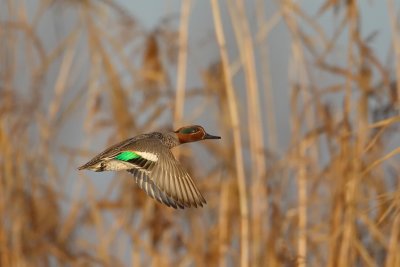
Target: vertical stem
<point>255,130</point>
<point>346,252</point>
<point>393,258</point>
<point>395,43</point>
<point>272,140</point>
<point>302,184</point>
<point>223,223</point>
<point>182,62</point>
<point>234,117</point>
<point>299,69</point>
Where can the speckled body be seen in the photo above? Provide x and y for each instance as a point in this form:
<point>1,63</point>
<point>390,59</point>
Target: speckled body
<point>168,139</point>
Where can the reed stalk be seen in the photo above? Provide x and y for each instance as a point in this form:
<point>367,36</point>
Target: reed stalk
<point>182,63</point>
<point>233,110</point>
<point>305,180</point>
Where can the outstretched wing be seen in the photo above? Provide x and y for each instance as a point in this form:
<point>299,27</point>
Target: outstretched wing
<point>108,154</point>
<point>160,175</point>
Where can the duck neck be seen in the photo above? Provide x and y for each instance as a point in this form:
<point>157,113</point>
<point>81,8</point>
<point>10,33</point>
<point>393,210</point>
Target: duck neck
<point>170,140</point>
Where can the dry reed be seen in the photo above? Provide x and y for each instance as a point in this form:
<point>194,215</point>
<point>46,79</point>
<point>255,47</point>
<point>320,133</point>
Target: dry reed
<point>332,198</point>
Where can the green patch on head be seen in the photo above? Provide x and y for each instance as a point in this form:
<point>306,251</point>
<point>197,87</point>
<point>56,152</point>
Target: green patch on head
<point>189,130</point>
<point>127,155</point>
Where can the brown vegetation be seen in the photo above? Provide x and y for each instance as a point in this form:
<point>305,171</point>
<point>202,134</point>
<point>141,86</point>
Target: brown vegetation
<point>331,199</point>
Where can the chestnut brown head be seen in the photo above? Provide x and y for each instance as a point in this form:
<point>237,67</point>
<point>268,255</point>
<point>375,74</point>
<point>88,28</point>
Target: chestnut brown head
<point>193,133</point>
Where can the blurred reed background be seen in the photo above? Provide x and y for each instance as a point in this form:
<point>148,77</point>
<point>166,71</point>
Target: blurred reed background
<point>317,185</point>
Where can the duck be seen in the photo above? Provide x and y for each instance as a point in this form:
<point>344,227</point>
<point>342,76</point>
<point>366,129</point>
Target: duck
<point>149,159</point>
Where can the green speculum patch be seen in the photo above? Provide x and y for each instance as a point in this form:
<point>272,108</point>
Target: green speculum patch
<point>127,155</point>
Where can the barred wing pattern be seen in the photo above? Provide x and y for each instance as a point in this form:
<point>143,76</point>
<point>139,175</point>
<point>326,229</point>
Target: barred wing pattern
<point>161,176</point>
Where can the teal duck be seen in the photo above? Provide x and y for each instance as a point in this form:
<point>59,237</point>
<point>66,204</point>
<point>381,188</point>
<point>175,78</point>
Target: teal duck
<point>149,159</point>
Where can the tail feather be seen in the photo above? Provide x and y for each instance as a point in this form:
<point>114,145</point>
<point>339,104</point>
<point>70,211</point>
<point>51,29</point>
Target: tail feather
<point>94,166</point>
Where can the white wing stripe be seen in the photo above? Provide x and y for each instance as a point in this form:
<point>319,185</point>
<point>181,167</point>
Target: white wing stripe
<point>147,155</point>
